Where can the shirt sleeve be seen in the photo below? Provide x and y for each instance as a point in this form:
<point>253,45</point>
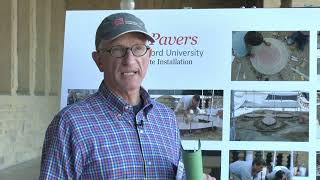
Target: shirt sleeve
<point>179,106</point>
<point>245,175</point>
<point>59,157</point>
<point>240,169</point>
<point>270,175</point>
<point>288,174</point>
<point>198,110</point>
<point>186,101</point>
<point>234,168</point>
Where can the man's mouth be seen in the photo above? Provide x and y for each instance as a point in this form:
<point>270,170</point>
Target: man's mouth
<point>131,73</point>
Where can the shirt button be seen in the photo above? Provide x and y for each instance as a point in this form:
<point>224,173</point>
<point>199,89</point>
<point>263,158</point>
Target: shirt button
<point>141,131</point>
<point>149,163</point>
<point>127,107</point>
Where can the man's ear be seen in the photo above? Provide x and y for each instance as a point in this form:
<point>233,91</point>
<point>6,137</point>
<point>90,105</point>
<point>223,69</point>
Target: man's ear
<point>97,59</point>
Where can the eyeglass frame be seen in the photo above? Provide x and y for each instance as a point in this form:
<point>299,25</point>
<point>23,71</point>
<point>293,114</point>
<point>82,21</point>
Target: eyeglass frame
<point>126,50</point>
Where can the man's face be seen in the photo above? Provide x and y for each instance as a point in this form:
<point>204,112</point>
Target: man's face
<point>194,104</point>
<point>283,177</point>
<point>123,75</point>
<point>257,168</point>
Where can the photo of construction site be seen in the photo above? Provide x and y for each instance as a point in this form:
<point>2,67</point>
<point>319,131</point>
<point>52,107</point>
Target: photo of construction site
<point>262,165</point>
<point>199,112</point>
<point>269,116</point>
<point>75,95</point>
<point>270,56</point>
<point>318,165</point>
<point>318,114</point>
<point>318,55</point>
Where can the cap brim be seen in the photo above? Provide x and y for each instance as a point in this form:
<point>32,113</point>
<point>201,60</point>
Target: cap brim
<point>149,38</point>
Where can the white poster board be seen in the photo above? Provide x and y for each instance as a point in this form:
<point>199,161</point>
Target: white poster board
<point>193,51</point>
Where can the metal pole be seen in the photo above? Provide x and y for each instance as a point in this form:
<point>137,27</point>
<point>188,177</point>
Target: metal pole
<point>291,164</point>
<point>274,159</point>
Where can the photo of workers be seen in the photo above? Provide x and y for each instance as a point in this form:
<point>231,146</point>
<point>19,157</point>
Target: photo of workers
<point>269,116</point>
<point>75,95</point>
<point>270,56</point>
<point>318,114</point>
<point>318,55</point>
<point>267,165</point>
<point>199,112</point>
<point>318,165</point>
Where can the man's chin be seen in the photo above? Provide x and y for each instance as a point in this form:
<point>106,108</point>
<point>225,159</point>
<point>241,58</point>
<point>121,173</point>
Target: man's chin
<point>131,88</point>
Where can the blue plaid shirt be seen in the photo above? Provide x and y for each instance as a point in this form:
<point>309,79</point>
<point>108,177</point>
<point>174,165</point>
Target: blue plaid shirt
<point>97,139</point>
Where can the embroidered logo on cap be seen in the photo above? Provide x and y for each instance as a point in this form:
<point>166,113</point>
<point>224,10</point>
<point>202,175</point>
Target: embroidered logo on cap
<point>118,21</point>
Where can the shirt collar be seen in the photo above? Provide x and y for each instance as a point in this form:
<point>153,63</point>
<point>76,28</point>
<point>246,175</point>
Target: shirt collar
<point>122,105</point>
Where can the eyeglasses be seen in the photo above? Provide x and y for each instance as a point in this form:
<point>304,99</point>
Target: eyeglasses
<point>137,50</point>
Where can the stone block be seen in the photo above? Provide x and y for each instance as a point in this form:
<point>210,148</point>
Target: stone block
<point>4,114</point>
<point>1,128</point>
<point>13,138</point>
<point>1,160</point>
<point>20,156</point>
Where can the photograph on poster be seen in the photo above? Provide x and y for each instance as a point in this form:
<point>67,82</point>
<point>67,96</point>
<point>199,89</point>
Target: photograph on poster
<point>318,114</point>
<point>266,165</point>
<point>318,54</point>
<point>211,162</point>
<point>270,56</point>
<point>269,116</point>
<point>318,165</point>
<point>75,95</point>
<point>199,112</point>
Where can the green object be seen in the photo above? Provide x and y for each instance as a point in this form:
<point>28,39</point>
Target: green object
<point>192,160</point>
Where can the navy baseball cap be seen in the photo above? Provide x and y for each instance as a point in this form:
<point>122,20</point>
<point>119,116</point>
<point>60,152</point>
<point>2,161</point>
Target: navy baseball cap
<point>118,24</point>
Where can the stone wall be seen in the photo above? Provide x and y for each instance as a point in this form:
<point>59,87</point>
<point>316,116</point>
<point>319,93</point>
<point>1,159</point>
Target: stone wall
<point>23,121</point>
<point>31,49</point>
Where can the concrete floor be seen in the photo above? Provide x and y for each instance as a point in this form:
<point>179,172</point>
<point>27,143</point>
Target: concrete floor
<point>27,171</point>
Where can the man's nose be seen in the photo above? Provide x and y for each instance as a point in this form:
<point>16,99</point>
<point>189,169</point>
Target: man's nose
<point>129,57</point>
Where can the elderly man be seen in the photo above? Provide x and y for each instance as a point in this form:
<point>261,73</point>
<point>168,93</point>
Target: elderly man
<point>246,170</point>
<point>118,132</point>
